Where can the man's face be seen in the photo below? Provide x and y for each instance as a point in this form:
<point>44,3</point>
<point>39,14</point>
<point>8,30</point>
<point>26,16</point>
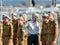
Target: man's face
<point>20,20</point>
<point>13,17</point>
<point>34,19</point>
<point>7,20</point>
<point>44,19</point>
<point>50,15</point>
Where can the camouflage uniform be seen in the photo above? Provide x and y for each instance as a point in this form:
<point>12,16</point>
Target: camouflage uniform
<point>49,33</point>
<point>7,34</point>
<point>20,35</point>
<point>15,27</point>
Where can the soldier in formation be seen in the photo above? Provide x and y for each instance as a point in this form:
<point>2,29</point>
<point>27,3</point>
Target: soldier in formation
<point>15,27</point>
<point>7,33</point>
<point>54,28</point>
<point>49,30</point>
<point>17,32</point>
<point>44,30</point>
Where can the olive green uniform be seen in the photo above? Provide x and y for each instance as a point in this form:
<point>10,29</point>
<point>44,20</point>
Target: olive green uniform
<point>7,34</point>
<point>49,33</point>
<point>53,31</point>
<point>20,34</point>
<point>15,27</point>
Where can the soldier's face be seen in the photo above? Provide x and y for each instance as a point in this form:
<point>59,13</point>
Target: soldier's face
<point>20,20</point>
<point>44,19</point>
<point>7,20</point>
<point>13,17</point>
<point>50,16</point>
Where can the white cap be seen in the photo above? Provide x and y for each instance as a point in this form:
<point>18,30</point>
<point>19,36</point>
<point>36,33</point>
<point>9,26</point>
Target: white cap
<point>7,16</point>
<point>35,15</point>
<point>45,15</point>
<point>14,14</point>
<point>52,12</point>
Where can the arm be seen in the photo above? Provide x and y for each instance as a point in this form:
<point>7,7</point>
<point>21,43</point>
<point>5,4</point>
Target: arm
<point>39,35</point>
<point>11,31</point>
<point>56,31</point>
<point>24,28</point>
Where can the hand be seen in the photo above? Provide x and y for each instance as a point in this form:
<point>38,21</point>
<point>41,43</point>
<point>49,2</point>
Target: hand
<point>27,35</point>
<point>54,42</point>
<point>40,42</point>
<point>38,34</point>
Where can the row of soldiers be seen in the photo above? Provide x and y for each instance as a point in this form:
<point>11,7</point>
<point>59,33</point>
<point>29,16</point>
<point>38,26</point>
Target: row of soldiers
<point>13,30</point>
<point>45,32</point>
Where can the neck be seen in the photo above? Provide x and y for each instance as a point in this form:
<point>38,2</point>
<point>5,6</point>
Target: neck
<point>47,21</point>
<point>52,19</point>
<point>14,19</point>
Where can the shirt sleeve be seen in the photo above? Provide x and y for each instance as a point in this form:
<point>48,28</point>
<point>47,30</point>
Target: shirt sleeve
<point>24,28</point>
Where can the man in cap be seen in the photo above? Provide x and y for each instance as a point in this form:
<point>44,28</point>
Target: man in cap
<point>7,33</point>
<point>45,30</point>
<point>15,27</point>
<point>33,30</point>
<point>53,29</point>
<point>19,31</point>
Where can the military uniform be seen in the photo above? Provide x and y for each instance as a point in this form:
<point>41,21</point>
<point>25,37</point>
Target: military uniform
<point>45,30</point>
<point>15,27</point>
<point>49,33</point>
<point>53,28</point>
<point>20,34</point>
<point>7,34</point>
<point>54,31</point>
<point>44,33</point>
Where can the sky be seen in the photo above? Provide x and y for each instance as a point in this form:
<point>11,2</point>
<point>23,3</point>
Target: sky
<point>13,2</point>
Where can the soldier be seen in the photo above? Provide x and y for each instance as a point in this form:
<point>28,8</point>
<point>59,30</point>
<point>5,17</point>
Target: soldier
<point>44,30</point>
<point>7,34</point>
<point>19,32</point>
<point>2,24</point>
<point>23,17</point>
<point>53,28</point>
<point>15,27</point>
<point>33,30</point>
